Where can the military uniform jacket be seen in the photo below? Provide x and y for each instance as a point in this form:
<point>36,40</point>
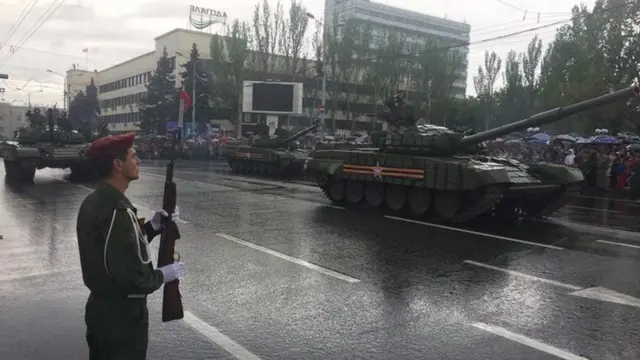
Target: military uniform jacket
<point>113,266</point>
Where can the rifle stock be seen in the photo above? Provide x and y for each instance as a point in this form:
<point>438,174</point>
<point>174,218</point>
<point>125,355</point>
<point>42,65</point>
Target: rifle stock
<point>172,308</point>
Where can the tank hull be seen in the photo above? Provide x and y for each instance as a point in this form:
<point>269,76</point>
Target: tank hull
<point>22,161</point>
<point>244,159</point>
<point>446,189</point>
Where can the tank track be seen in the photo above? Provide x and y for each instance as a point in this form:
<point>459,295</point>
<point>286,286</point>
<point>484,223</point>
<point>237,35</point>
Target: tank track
<point>555,205</point>
<point>492,196</point>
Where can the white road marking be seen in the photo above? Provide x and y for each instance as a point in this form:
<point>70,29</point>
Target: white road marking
<point>532,343</point>
<point>218,338</point>
<point>334,206</point>
<point>583,227</point>
<point>530,277</point>
<point>592,209</point>
<point>604,294</point>
<point>450,228</point>
<point>300,262</point>
<point>605,198</point>
<point>37,274</point>
<point>618,244</point>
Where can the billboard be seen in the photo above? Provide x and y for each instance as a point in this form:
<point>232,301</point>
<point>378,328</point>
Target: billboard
<point>271,97</point>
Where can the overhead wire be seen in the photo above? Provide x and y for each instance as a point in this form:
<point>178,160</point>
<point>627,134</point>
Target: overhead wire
<point>34,28</point>
<point>23,15</point>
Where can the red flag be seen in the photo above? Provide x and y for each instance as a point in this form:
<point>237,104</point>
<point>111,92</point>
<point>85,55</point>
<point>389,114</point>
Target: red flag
<point>187,99</point>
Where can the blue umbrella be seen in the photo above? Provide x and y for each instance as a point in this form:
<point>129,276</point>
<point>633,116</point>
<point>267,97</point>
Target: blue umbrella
<point>542,137</point>
<point>605,139</point>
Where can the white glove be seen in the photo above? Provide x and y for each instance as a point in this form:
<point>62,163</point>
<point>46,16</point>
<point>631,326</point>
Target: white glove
<point>159,215</point>
<point>172,271</point>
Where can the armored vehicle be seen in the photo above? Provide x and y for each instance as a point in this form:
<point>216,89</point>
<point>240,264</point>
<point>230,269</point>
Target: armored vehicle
<point>434,172</point>
<point>45,143</point>
<point>277,156</point>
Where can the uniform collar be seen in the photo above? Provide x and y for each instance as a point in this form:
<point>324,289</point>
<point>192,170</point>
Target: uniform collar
<point>105,188</point>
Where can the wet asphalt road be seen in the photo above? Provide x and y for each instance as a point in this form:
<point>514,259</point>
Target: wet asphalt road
<point>275,273</point>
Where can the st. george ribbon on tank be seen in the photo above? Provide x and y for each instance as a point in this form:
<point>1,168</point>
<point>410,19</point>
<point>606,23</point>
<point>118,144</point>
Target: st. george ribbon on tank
<point>435,173</point>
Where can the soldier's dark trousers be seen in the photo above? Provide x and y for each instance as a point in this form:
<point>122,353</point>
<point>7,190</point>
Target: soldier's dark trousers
<point>117,328</point>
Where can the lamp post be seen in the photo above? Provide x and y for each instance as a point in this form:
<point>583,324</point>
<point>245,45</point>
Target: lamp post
<point>193,90</point>
<point>29,95</point>
<point>324,63</point>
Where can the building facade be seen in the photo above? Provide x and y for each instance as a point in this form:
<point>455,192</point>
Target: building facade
<point>416,28</point>
<point>11,118</point>
<point>122,87</point>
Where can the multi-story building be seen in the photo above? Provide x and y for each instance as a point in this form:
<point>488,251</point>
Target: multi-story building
<point>11,118</point>
<point>415,27</point>
<point>122,86</point>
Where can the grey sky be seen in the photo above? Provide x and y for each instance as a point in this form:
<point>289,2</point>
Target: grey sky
<point>117,30</point>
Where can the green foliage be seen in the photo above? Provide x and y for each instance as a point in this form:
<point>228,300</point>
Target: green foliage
<point>597,52</point>
<point>159,106</point>
<point>201,103</point>
<point>85,107</point>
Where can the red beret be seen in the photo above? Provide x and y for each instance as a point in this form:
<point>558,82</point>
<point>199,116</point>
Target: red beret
<point>111,145</point>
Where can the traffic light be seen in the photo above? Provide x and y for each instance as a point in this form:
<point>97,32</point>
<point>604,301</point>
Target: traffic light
<point>4,76</point>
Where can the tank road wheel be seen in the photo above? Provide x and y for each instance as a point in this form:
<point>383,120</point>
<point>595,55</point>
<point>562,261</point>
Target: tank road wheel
<point>355,191</point>
<point>333,188</point>
<point>255,168</point>
<point>419,201</point>
<point>447,203</point>
<point>246,167</point>
<point>272,169</point>
<point>374,194</point>
<point>262,168</point>
<point>233,164</point>
<point>396,197</point>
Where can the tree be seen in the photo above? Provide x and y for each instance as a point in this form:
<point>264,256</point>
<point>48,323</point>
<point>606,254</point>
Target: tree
<point>266,34</point>
<point>229,55</point>
<point>84,108</point>
<point>484,83</point>
<point>292,34</point>
<point>202,87</point>
<point>159,105</point>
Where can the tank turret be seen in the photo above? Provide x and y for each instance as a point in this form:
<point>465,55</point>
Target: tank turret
<point>404,136</point>
<point>280,142</point>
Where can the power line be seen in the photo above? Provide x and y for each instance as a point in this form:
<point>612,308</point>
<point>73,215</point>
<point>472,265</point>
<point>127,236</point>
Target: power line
<point>23,15</point>
<point>34,28</point>
<point>491,39</point>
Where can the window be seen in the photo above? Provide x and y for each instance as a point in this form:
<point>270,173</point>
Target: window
<point>1,129</point>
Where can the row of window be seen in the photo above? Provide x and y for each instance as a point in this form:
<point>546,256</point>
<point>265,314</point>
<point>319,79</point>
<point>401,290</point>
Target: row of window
<point>125,83</point>
<point>126,100</point>
<point>427,25</point>
<point>131,117</point>
<point>131,80</point>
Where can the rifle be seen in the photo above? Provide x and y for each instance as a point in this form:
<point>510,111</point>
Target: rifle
<point>171,299</point>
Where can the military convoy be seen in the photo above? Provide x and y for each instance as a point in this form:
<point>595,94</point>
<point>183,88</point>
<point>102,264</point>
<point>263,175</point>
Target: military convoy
<point>434,172</point>
<point>47,143</point>
<point>277,156</point>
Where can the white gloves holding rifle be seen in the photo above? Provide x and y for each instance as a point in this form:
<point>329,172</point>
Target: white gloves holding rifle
<point>172,271</point>
<point>159,216</point>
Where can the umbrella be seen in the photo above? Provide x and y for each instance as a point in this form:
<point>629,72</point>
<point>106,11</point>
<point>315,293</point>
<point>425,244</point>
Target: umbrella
<point>535,140</point>
<point>542,137</point>
<point>633,147</point>
<point>565,138</point>
<point>605,139</point>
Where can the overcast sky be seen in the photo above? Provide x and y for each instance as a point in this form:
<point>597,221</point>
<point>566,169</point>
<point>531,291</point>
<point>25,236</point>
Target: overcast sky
<point>117,30</point>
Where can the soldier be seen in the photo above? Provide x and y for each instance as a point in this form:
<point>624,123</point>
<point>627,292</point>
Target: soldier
<point>114,255</point>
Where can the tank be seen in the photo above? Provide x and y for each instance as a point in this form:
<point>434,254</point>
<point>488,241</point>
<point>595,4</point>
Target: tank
<point>434,172</point>
<point>47,141</point>
<point>277,156</point>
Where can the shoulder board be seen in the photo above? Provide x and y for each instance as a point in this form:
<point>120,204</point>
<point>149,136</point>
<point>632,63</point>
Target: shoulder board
<point>121,206</point>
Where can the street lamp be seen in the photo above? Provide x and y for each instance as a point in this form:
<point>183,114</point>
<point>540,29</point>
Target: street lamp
<point>324,63</point>
<point>29,95</point>
<point>193,90</point>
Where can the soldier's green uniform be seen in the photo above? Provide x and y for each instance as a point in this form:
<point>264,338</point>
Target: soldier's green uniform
<point>117,270</point>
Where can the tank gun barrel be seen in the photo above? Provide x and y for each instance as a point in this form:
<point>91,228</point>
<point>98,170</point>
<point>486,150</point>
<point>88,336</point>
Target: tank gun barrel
<point>301,133</point>
<point>552,115</point>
